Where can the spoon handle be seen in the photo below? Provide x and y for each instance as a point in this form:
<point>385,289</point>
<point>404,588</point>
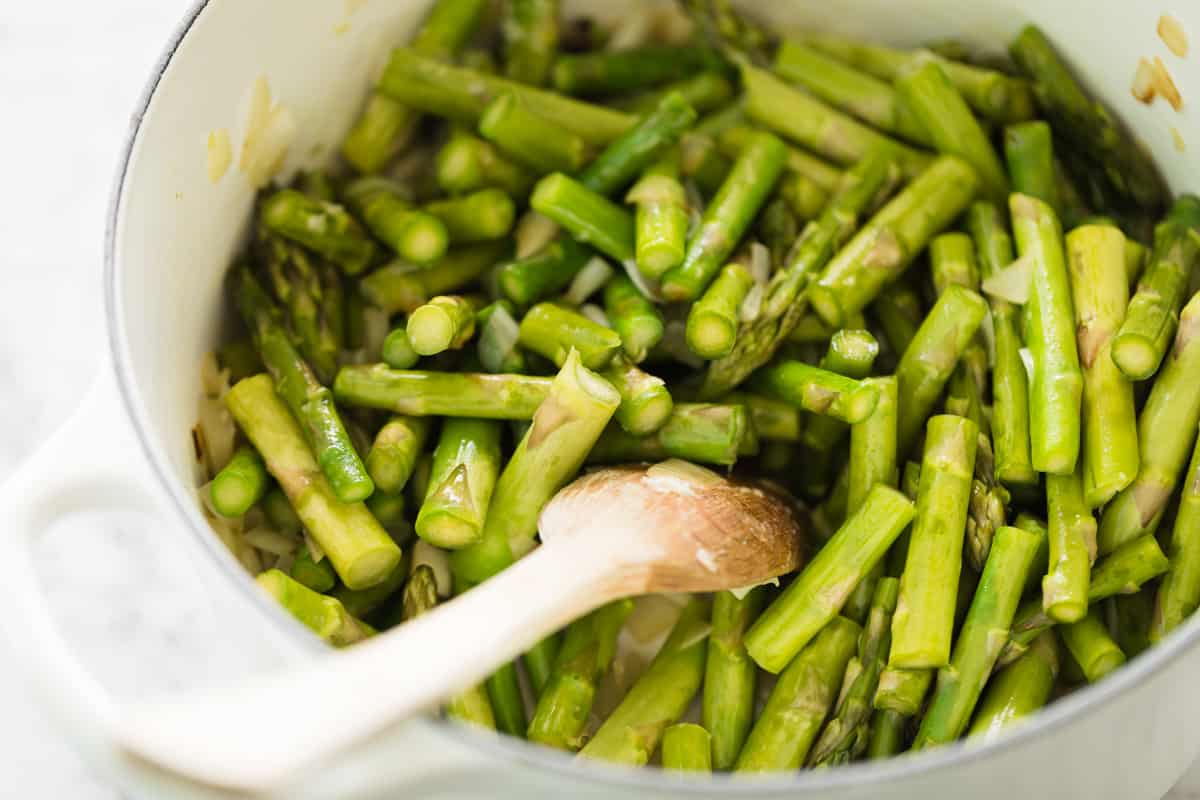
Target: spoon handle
<point>255,736</point>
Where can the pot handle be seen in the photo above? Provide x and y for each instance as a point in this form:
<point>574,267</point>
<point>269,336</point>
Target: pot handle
<point>93,462</point>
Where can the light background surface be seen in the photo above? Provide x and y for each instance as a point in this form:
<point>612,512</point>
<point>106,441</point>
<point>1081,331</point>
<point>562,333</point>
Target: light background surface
<point>70,74</point>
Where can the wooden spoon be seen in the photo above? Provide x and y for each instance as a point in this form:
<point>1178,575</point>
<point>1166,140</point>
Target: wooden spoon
<point>671,527</point>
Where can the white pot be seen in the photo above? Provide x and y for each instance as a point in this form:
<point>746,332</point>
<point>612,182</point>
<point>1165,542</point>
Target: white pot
<point>171,236</point>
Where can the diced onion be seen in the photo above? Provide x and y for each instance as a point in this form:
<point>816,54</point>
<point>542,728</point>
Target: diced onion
<point>760,263</point>
<point>497,339</point>
<point>270,129</point>
<point>1027,360</point>
<point>220,154</point>
<point>589,280</point>
<point>1164,84</point>
<point>595,313</point>
<point>634,30</point>
<point>272,541</point>
<point>534,231</point>
<point>648,288</point>
<point>1143,82</point>
<point>1011,283</point>
<point>315,551</point>
<point>1173,35</point>
<point>437,560</point>
<point>376,327</point>
<point>752,304</point>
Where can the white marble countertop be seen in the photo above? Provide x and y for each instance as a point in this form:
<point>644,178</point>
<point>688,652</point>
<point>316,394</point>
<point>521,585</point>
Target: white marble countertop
<point>70,72</point>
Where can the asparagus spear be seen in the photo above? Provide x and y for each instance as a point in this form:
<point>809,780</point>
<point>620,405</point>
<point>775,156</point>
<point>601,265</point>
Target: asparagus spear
<point>1010,383</point>
<point>411,233</point>
<point>616,71</point>
<point>1056,390</point>
<point>1088,125</point>
<point>712,322</point>
<point>812,124</point>
<point>1165,429</point>
<point>710,433</point>
<point>887,244</point>
<point>240,484</point>
<point>1072,537</point>
<point>1110,444</point>
<point>660,696</point>
<point>323,615</point>
<point>404,287</point>
<point>553,331</point>
<point>646,405</point>
<point>325,228</point>
<point>585,214</point>
<point>362,602</point>
<point>466,163</point>
<point>536,142</point>
<point>661,219</point>
<point>462,95</point>
<point>385,125</point>
<point>817,595</point>
<point>730,676</point>
<point>420,595</point>
<point>636,149</point>
<point>530,30</point>
<point>316,575</point>
<point>587,652</point>
<point>818,390</point>
<point>359,548</point>
<point>504,694</point>
<point>1153,313</point>
<point>465,466</point>
<point>1122,572</point>
<point>1020,690</point>
<point>565,427</point>
<point>727,217</point>
<point>452,394</point>
<point>1132,620</point>
<point>279,512</point>
<point>960,684</point>
<point>798,163</point>
<point>942,112</point>
<point>635,319</point>
<point>1179,593</point>
<point>296,281</point>
<point>887,735</point>
<point>898,310</point>
<point>902,691</point>
<point>539,663</point>
<point>871,100</point>
<point>846,735</point>
<point>310,402</point>
<point>785,297</point>
<point>394,452</point>
<point>994,96</point>
<point>851,353</point>
<point>526,281</point>
<point>1092,648</point>
<point>481,215</point>
<point>772,419</point>
<point>687,747</point>
<point>931,356</point>
<point>446,322</point>
<point>704,91</point>
<point>797,705</point>
<point>924,622</point>
<point>1029,151</point>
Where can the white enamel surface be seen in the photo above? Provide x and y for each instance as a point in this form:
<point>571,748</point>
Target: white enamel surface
<point>176,233</point>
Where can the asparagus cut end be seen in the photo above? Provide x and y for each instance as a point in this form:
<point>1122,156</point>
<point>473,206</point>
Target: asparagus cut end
<point>1135,356</point>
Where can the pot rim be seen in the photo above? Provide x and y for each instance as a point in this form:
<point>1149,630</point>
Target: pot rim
<point>507,749</point>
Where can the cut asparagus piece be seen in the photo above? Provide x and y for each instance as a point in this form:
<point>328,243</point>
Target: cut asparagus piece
<point>397,351</point>
<point>530,30</point>
<point>711,433</point>
<point>410,233</point>
<point>359,548</point>
<point>712,322</point>
<point>660,696</point>
<point>323,615</point>
<point>393,454</point>
<point>661,219</point>
<point>616,71</point>
<point>553,331</point>
<point>1092,648</point>
<point>633,317</point>
<point>1029,150</point>
<point>1056,390</point>
<point>687,747</point>
<point>462,95</point>
<point>646,405</point>
<point>1165,429</point>
<point>727,217</point>
<point>405,287</point>
<point>316,575</point>
<point>1153,314</point>
<point>944,114</point>
<point>325,228</point>
<point>448,394</point>
<point>1020,690</point>
<point>800,700</point>
<point>526,281</point>
<point>730,677</point>
<point>931,357</point>
<point>851,353</point>
<point>466,464</point>
<point>704,91</point>
<point>773,419</point>
<point>636,149</point>
<point>466,163</point>
<point>1179,594</point>
<point>871,100</point>
<point>823,586</point>
<point>475,217</point>
<point>585,214</point>
<point>960,684</point>
<point>240,484</point>
<point>799,163</point>
<point>446,322</point>
<point>1110,444</point>
<point>923,626</point>
<point>310,402</point>
<point>817,390</point>
<point>1072,537</point>
<point>565,427</point>
<point>587,652</point>
<point>888,243</point>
